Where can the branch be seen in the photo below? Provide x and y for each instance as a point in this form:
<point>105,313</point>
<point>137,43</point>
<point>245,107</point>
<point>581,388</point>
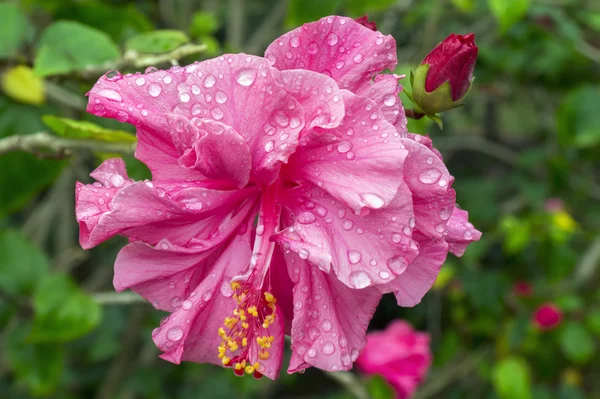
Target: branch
<point>264,33</point>
<point>588,264</point>
<point>117,298</point>
<point>350,381</point>
<point>44,143</point>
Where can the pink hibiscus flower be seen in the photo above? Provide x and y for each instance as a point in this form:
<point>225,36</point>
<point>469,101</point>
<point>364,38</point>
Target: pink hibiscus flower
<point>287,197</point>
<point>399,354</point>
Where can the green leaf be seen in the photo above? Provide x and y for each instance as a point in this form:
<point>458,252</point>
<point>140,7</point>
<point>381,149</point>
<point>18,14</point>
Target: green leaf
<point>159,41</point>
<point>361,7</point>
<point>301,11</point>
<point>203,24</point>
<point>379,388</point>
<point>40,366</point>
<point>13,29</point>
<point>576,343</point>
<point>85,130</point>
<point>511,379</point>
<point>22,264</point>
<point>23,85</point>
<point>578,120</point>
<point>508,12</point>
<point>464,5</point>
<point>592,322</point>
<point>68,46</point>
<point>24,175</point>
<point>62,311</point>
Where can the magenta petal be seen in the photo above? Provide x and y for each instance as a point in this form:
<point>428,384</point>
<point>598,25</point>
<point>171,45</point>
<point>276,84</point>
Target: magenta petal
<point>363,250</point>
<point>335,46</point>
<point>385,91</point>
<point>363,166</point>
<point>418,278</point>
<point>330,319</point>
<point>460,232</point>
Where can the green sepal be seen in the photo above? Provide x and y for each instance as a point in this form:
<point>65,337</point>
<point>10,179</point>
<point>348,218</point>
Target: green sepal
<point>438,120</point>
<point>439,100</point>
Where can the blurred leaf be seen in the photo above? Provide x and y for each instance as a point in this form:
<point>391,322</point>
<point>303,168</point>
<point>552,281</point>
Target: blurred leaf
<point>40,366</point>
<point>203,24</point>
<point>301,11</point>
<point>379,388</point>
<point>486,289</point>
<point>517,234</point>
<point>578,120</point>
<point>512,379</point>
<point>62,311</point>
<point>508,12</point>
<point>569,303</point>
<point>445,276</point>
<point>592,321</point>
<point>22,84</point>
<point>591,19</point>
<point>159,41</point>
<point>86,130</point>
<point>213,47</point>
<point>464,5</point>
<point>13,29</point>
<point>576,343</point>
<point>67,46</point>
<point>570,392</point>
<point>22,264</point>
<point>448,348</point>
<point>23,175</point>
<point>361,7</point>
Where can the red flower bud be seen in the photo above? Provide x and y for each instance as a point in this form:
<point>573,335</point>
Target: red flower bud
<point>364,21</point>
<point>547,316</point>
<point>523,289</point>
<point>452,60</point>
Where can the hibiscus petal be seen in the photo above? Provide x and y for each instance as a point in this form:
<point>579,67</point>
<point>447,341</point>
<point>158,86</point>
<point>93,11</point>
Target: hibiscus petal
<point>330,319</point>
<point>363,250</point>
<point>460,232</point>
<point>186,213</point>
<point>385,91</point>
<point>335,46</point>
<point>319,95</point>
<point>429,181</point>
<point>418,278</point>
<point>239,90</point>
<point>365,165</point>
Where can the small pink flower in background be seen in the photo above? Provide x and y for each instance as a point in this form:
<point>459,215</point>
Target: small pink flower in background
<point>554,205</point>
<point>547,317</point>
<point>400,354</point>
<point>364,21</point>
<point>523,289</point>
<point>452,60</point>
<point>287,197</point>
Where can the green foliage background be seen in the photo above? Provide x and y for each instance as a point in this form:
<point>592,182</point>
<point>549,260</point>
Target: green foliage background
<point>529,132</point>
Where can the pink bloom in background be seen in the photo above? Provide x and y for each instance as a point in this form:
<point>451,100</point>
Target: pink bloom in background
<point>286,197</point>
<point>452,60</point>
<point>554,205</point>
<point>364,21</point>
<point>400,354</point>
<point>547,317</point>
<point>523,289</point>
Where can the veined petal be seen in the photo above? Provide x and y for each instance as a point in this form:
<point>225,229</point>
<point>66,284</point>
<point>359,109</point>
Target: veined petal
<point>385,91</point>
<point>330,319</point>
<point>460,232</point>
<point>363,250</point>
<point>363,166</point>
<point>185,213</point>
<point>335,46</point>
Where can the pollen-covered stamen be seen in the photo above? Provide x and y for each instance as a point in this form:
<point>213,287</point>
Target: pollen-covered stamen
<point>246,330</point>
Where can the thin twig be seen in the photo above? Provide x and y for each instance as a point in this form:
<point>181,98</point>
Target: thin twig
<point>42,143</point>
<point>351,382</point>
<point>117,298</point>
<point>588,264</point>
<point>64,96</point>
<point>265,32</point>
<point>236,23</point>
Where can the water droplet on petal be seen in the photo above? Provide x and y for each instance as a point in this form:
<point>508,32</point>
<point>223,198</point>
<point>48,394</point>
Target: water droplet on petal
<point>347,224</point>
<point>175,334</point>
<point>354,256</point>
<point>354,354</point>
<point>396,237</point>
<point>110,94</point>
<point>332,39</point>
<point>295,41</point>
<point>221,97</point>
<point>312,352</point>
<point>140,81</point>
<point>430,176</point>
<point>117,180</point>
<point>343,342</point>
<point>209,81</point>
<point>328,348</point>
<point>326,325</point>
<point>345,358</point>
<point>184,97</point>
<point>360,279</point>
<point>389,100</point>
<point>186,305</point>
<point>246,77</point>
<point>358,58</point>
<point>269,146</point>
<point>397,264</point>
<point>154,90</point>
<point>344,147</point>
<point>167,79</point>
<point>216,113</point>
<point>298,305</point>
<point>372,200</point>
<point>303,253</point>
<point>445,213</point>
<point>312,48</point>
<point>306,218</point>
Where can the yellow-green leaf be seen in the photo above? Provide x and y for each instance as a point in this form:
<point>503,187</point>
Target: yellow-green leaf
<point>86,130</point>
<point>21,84</point>
<point>159,41</point>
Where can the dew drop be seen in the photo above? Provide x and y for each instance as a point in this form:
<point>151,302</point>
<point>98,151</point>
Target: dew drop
<point>328,348</point>
<point>110,94</point>
<point>167,79</point>
<point>360,279</point>
<point>140,81</point>
<point>326,325</point>
<point>221,97</point>
<point>389,100</point>
<point>216,113</point>
<point>312,352</point>
<point>312,48</point>
<point>298,305</point>
<point>354,256</point>
<point>303,253</point>
<point>358,58</point>
<point>186,305</point>
<point>445,213</point>
<point>396,237</point>
<point>332,39</point>
<point>397,264</point>
<point>175,302</point>
<point>344,146</point>
<point>175,334</point>
<point>269,146</point>
<point>154,90</point>
<point>430,176</point>
<point>246,77</point>
<point>295,41</point>
<point>209,81</point>
<point>347,224</point>
<point>117,180</point>
<point>306,218</point>
<point>184,97</point>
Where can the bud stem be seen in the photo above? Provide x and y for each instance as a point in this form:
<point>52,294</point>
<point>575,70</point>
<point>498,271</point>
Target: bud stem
<point>413,114</point>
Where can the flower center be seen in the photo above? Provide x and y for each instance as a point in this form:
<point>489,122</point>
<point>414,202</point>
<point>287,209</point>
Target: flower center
<point>245,334</point>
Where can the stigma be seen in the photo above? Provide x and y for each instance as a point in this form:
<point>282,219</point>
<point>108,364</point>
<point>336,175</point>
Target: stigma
<point>245,333</point>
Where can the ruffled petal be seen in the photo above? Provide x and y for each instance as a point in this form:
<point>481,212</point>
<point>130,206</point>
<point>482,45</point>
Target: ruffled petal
<point>185,213</point>
<point>460,232</point>
<point>429,181</point>
<point>418,278</point>
<point>385,91</point>
<point>364,164</point>
<point>330,319</point>
<point>363,250</point>
<point>335,46</point>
